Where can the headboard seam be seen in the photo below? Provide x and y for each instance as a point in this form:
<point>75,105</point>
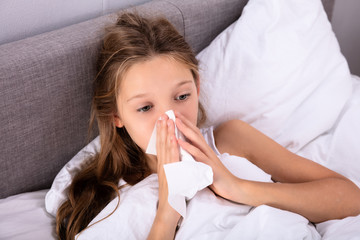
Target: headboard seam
<point>182,15</point>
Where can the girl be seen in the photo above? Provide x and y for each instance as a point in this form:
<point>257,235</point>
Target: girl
<point>147,68</point>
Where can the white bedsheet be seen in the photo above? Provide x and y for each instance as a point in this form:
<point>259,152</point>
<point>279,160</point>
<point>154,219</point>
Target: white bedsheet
<point>24,216</point>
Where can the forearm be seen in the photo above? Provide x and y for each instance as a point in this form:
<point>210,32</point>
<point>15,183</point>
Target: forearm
<point>164,225</point>
<point>320,200</point>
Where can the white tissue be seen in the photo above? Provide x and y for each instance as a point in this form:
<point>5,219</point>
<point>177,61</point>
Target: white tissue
<point>184,178</point>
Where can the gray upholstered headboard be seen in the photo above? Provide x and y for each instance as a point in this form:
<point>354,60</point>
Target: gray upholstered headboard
<point>45,87</point>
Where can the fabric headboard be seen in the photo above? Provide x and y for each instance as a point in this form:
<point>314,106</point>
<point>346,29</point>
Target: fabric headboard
<point>46,80</point>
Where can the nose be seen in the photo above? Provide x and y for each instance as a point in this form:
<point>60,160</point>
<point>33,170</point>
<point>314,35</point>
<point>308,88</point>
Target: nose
<point>166,107</point>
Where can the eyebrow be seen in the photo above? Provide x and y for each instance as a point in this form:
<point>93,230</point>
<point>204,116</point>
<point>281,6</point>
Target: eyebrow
<point>140,95</point>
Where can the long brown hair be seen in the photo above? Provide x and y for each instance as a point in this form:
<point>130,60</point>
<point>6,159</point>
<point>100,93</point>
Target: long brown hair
<point>131,40</point>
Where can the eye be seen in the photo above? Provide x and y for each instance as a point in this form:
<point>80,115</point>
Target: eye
<point>183,97</point>
<point>144,109</point>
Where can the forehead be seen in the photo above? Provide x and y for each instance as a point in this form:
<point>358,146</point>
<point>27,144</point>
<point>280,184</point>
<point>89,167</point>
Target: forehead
<point>157,72</point>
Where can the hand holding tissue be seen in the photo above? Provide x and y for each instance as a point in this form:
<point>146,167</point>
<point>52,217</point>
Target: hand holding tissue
<point>184,178</point>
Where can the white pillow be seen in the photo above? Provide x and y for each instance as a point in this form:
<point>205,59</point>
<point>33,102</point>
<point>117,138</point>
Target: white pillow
<point>338,148</point>
<point>279,68</point>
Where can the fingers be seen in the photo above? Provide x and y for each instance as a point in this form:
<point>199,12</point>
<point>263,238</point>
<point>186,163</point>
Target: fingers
<point>194,151</point>
<point>166,143</point>
<point>172,142</point>
<point>161,133</point>
<point>191,132</point>
<point>186,122</point>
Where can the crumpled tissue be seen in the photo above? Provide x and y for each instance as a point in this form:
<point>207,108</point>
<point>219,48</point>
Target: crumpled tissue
<point>184,178</point>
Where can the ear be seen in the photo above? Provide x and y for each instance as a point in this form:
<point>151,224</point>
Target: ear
<point>118,122</point>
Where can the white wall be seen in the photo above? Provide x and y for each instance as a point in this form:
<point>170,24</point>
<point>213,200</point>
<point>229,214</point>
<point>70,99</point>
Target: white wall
<point>346,25</point>
<point>25,18</point>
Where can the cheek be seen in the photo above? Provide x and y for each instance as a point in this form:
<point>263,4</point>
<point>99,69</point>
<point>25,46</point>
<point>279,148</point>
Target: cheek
<point>139,136</point>
<point>138,127</point>
<point>190,111</point>
<point>140,132</point>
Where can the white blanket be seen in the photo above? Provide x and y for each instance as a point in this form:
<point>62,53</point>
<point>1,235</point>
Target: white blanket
<point>208,217</point>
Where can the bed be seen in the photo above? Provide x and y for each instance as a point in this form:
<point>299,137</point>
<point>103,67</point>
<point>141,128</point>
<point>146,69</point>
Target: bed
<point>279,59</point>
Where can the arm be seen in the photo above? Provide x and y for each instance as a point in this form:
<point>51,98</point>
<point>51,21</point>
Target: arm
<point>166,218</point>
<point>306,187</point>
<point>165,223</point>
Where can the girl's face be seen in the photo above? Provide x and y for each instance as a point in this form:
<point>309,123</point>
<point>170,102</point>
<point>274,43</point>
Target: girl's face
<point>148,90</point>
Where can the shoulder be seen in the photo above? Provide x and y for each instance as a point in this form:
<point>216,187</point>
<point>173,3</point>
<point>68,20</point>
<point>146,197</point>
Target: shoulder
<point>229,134</point>
<point>228,127</point>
